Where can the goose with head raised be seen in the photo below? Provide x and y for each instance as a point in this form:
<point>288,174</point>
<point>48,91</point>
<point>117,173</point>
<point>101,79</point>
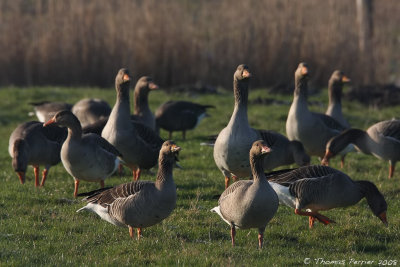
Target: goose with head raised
<point>249,203</point>
<point>316,188</point>
<point>235,140</point>
<point>87,157</point>
<point>381,140</point>
<point>139,204</point>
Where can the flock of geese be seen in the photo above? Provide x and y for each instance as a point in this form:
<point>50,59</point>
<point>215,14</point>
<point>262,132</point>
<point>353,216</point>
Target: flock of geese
<point>92,140</point>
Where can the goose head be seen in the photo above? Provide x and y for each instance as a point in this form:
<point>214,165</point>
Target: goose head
<point>336,84</point>
<point>64,118</point>
<point>301,78</point>
<point>169,152</point>
<point>122,81</point>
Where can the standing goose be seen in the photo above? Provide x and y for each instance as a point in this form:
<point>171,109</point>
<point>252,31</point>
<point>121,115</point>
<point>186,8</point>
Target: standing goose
<point>31,144</point>
<point>313,130</point>
<point>90,110</point>
<point>381,140</point>
<point>249,203</point>
<point>142,112</point>
<point>235,140</point>
<point>180,116</point>
<point>45,110</point>
<point>86,157</point>
<point>335,87</point>
<point>140,151</point>
<point>139,204</point>
<point>316,188</point>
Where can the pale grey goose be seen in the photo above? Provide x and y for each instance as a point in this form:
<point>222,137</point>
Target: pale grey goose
<point>335,87</point>
<point>86,157</point>
<point>31,144</point>
<point>249,203</point>
<point>312,129</point>
<point>316,188</point>
<point>139,204</point>
<point>139,150</point>
<point>180,116</point>
<point>231,149</point>
<point>45,110</point>
<point>90,110</point>
<point>381,140</point>
<point>142,112</point>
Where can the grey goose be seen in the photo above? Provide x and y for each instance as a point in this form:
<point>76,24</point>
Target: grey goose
<point>90,110</point>
<point>45,110</point>
<point>249,203</point>
<point>139,204</point>
<point>142,112</point>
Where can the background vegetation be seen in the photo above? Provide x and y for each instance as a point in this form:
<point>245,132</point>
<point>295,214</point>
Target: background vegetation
<point>73,42</point>
<point>39,226</point>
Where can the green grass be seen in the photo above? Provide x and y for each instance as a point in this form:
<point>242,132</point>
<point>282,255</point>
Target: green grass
<point>39,226</point>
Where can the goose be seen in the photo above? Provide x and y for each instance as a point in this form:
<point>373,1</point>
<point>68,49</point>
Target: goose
<point>138,145</point>
<point>180,116</point>
<point>31,144</point>
<point>45,110</point>
<point>335,87</point>
<point>317,188</point>
<point>86,157</point>
<point>249,203</point>
<point>142,112</point>
<point>312,129</point>
<point>235,140</point>
<point>381,140</point>
<point>90,110</point>
<point>139,204</point>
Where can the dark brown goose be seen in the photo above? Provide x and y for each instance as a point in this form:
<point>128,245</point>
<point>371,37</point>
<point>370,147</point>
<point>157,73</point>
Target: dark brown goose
<point>249,203</point>
<point>312,129</point>
<point>139,150</point>
<point>86,157</point>
<point>90,110</point>
<point>139,204</point>
<point>45,110</point>
<point>335,88</point>
<point>182,116</point>
<point>142,112</point>
<point>316,188</point>
<point>381,140</point>
<point>31,144</point>
<point>231,149</point>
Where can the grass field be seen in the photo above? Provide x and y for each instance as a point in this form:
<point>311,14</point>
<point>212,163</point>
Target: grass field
<point>39,226</point>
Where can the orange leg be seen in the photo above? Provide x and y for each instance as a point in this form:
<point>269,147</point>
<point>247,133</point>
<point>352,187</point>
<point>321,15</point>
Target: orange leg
<point>36,171</point>
<point>131,234</point>
<point>136,174</point>
<point>44,176</point>
<point>311,221</point>
<point>102,184</point>
<point>139,233</point>
<point>233,233</point>
<point>391,170</point>
<point>260,239</point>
<point>21,176</point>
<point>323,219</point>
<point>227,180</point>
<point>342,162</point>
<point>76,187</point>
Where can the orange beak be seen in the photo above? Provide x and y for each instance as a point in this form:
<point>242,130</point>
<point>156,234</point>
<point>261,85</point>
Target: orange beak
<point>153,86</point>
<point>345,79</point>
<point>126,78</point>
<point>246,74</point>
<point>304,70</point>
<point>21,176</point>
<point>175,148</point>
<point>265,149</point>
<point>382,216</point>
<point>52,120</point>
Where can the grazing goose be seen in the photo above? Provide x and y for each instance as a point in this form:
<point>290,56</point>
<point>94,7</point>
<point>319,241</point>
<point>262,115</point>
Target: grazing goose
<point>31,144</point>
<point>139,145</point>
<point>335,87</point>
<point>139,204</point>
<point>381,140</point>
<point>90,110</point>
<point>45,110</point>
<point>312,129</point>
<point>86,157</point>
<point>235,140</point>
<point>180,116</point>
<point>316,188</point>
<point>142,112</point>
<point>249,203</point>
